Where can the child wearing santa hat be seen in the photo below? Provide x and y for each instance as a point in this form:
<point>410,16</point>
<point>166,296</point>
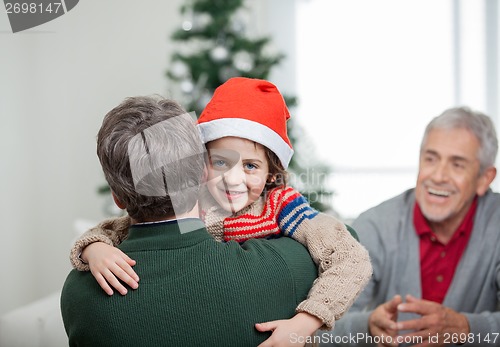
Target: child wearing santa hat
<point>244,129</point>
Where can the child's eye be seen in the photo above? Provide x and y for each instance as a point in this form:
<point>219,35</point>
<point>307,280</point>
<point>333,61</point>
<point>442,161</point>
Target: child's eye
<point>250,166</point>
<point>218,163</point>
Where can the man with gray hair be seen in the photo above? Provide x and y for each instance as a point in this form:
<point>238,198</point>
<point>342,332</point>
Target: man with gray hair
<point>194,290</point>
<point>435,248</point>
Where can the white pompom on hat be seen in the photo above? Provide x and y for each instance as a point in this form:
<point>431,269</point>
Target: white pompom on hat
<point>249,108</point>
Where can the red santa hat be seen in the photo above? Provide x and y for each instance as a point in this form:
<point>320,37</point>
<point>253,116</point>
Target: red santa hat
<point>249,108</point>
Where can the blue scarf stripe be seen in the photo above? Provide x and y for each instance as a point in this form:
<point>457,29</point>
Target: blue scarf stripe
<point>304,216</point>
<point>305,211</point>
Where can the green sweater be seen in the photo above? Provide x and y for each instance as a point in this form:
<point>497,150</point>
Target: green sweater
<point>194,291</point>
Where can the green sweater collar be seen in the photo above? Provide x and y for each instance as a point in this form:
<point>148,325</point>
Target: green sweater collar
<point>165,235</point>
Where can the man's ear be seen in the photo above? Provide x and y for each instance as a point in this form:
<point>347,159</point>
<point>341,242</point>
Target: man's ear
<point>485,180</point>
<point>118,202</point>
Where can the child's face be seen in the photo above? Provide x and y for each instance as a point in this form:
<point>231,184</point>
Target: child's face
<point>237,172</point>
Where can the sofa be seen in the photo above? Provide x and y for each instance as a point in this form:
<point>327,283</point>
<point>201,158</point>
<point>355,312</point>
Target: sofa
<point>38,324</point>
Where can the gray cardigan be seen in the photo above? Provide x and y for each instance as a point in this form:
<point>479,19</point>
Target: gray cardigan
<point>388,233</point>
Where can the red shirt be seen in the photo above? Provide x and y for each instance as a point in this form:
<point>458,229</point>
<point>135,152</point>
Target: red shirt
<point>439,261</point>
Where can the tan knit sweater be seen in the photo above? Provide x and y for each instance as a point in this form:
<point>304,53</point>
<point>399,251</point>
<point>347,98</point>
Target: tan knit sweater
<point>344,266</point>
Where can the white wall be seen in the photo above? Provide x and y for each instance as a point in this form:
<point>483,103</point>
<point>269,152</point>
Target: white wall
<point>379,76</point>
<point>276,19</point>
<point>56,83</point>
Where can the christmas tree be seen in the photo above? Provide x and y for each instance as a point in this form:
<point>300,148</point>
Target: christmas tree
<point>213,47</point>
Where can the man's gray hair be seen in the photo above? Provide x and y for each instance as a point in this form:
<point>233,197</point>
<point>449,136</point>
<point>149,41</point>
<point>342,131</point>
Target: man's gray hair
<point>477,123</point>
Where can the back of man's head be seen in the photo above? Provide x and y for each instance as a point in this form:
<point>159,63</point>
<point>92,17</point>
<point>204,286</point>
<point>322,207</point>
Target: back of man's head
<point>152,157</point>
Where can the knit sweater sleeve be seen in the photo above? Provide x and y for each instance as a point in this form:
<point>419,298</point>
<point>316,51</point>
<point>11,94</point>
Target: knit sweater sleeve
<point>344,265</point>
<point>111,231</point>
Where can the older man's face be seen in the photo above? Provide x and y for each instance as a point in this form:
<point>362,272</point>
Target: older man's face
<point>448,177</point>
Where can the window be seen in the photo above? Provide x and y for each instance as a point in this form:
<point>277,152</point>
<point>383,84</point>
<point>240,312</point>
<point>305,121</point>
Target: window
<point>372,74</point>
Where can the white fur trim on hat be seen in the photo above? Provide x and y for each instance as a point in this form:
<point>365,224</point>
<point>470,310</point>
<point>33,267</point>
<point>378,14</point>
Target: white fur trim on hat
<point>247,129</point>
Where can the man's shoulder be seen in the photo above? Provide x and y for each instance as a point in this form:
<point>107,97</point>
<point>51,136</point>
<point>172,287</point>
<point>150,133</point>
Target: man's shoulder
<point>280,246</point>
<point>395,205</point>
<point>78,291</point>
<point>386,219</point>
<point>76,280</point>
<point>490,199</point>
<point>488,209</point>
<point>282,251</point>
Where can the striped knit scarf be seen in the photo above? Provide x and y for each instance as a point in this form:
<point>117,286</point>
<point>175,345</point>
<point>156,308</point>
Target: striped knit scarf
<point>278,213</point>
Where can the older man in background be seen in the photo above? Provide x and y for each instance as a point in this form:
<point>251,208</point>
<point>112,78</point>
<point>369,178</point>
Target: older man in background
<point>435,248</point>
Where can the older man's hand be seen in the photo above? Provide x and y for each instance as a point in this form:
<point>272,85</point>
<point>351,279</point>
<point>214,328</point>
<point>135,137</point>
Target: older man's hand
<point>435,321</point>
<point>382,322</point>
